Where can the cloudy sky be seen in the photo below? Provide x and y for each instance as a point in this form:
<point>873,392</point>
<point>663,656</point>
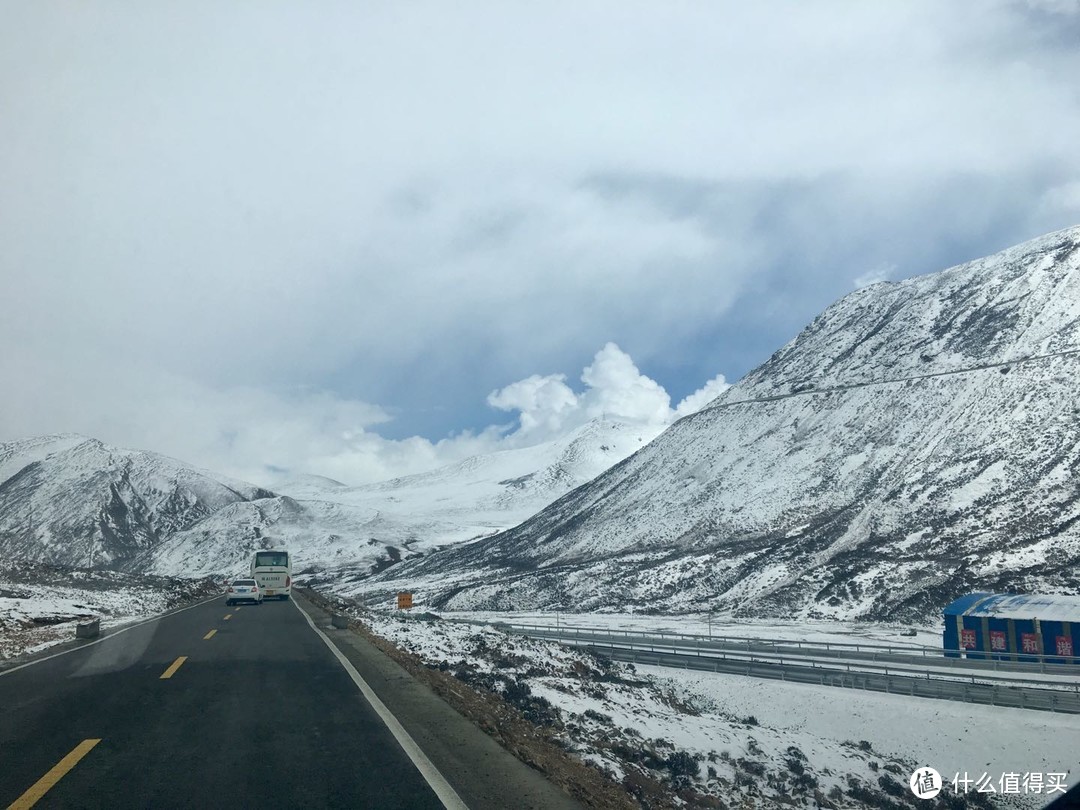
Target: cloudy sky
<point>365,238</point>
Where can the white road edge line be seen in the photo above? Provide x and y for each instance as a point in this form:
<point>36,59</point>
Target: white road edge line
<point>111,635</point>
<point>447,795</point>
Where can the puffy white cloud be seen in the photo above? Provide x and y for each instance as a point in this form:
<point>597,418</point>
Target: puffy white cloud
<point>618,389</point>
<point>615,389</point>
<point>544,402</point>
<point>702,397</point>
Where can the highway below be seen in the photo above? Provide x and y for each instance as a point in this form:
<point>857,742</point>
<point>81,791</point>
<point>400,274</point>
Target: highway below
<point>905,671</point>
<point>250,706</point>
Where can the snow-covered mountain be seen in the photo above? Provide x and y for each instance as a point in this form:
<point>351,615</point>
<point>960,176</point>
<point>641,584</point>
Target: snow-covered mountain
<point>70,500</point>
<point>916,441</point>
<point>348,531</point>
<point>487,493</point>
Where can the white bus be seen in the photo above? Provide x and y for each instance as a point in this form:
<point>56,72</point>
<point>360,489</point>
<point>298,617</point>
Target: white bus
<point>272,569</point>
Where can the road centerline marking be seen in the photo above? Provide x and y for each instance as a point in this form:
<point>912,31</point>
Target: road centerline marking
<point>175,665</point>
<point>209,635</point>
<point>55,774</point>
<point>227,616</point>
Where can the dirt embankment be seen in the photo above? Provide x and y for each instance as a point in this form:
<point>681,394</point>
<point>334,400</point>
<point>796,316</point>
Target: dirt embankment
<point>533,740</point>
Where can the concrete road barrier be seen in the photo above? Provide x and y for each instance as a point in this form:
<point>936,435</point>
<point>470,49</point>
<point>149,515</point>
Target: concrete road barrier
<point>91,629</point>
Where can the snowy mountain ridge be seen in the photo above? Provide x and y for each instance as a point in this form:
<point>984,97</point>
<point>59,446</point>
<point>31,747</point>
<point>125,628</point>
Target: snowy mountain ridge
<point>1021,303</point>
<point>350,530</point>
<point>917,440</point>
<point>72,500</point>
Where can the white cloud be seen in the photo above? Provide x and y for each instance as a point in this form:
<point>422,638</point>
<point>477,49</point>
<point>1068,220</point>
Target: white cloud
<point>217,206</point>
<point>544,402</point>
<point>702,397</point>
<point>253,434</point>
<point>615,389</point>
<point>875,275</point>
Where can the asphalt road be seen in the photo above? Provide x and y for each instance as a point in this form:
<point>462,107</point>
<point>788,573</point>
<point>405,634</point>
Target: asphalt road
<point>258,714</point>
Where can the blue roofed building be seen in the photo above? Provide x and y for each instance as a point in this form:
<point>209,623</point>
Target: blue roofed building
<point>1013,627</point>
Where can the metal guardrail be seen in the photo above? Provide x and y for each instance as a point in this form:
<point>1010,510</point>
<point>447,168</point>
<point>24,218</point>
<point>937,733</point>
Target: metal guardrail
<point>779,656</point>
<point>992,695</point>
<point>910,654</point>
<point>855,666</point>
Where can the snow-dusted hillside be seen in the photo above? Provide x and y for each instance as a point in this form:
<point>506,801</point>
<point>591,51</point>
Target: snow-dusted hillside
<point>916,441</point>
<point>70,500</point>
<point>351,530</point>
<point>487,493</point>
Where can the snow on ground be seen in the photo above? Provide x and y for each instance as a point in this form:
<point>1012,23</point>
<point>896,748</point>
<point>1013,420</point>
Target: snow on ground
<point>743,739</point>
<point>953,738</point>
<point>40,605</point>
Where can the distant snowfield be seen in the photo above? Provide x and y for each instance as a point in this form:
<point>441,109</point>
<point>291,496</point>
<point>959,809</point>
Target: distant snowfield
<point>74,501</point>
<point>349,531</point>
<point>734,725</point>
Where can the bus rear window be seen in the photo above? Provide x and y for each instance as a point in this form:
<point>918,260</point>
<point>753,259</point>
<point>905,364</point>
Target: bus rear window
<point>274,558</point>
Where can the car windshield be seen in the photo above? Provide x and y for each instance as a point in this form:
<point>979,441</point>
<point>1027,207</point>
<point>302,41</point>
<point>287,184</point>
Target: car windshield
<point>247,582</point>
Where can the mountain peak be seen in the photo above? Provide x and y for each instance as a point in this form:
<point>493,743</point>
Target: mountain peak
<point>916,441</point>
<point>71,499</point>
<point>1021,303</point>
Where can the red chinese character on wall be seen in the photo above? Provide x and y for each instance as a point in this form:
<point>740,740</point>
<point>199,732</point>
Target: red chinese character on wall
<point>967,639</point>
<point>1029,642</point>
<point>997,640</point>
<point>1064,646</point>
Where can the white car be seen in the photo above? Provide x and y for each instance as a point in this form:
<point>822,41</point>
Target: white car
<point>243,590</point>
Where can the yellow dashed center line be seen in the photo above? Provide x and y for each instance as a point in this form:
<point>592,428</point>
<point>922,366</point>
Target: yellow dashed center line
<point>209,635</point>
<point>228,616</point>
<point>175,665</point>
<point>42,785</point>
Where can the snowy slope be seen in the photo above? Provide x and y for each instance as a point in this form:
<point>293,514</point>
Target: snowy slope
<point>74,501</point>
<point>486,493</point>
<point>351,530</point>
<point>71,500</point>
<point>735,726</point>
<point>916,441</point>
